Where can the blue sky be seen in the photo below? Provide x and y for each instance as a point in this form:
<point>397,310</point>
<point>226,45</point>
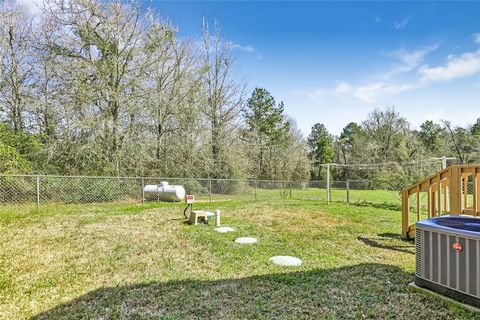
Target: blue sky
<point>334,62</point>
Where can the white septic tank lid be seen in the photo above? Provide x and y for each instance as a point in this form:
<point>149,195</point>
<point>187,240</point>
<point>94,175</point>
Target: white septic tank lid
<point>245,240</point>
<point>224,229</point>
<point>287,261</point>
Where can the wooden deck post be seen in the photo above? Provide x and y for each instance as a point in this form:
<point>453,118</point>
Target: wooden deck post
<point>445,210</point>
<point>475,193</point>
<point>477,175</point>
<point>455,191</point>
<point>439,200</point>
<point>434,202</point>
<point>447,199</point>
<point>429,198</point>
<point>418,203</point>
<point>405,211</point>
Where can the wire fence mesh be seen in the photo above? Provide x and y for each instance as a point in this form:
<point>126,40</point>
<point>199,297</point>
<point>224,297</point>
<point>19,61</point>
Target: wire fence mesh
<point>37,190</point>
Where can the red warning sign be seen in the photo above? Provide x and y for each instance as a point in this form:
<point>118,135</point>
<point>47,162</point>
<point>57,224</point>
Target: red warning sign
<point>190,198</point>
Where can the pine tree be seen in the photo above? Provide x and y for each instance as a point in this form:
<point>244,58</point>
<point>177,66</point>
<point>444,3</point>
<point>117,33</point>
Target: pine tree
<point>320,143</point>
<point>268,130</point>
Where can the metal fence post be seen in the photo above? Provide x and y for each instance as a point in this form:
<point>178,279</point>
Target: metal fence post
<point>210,189</point>
<point>38,192</point>
<point>143,190</point>
<point>328,183</point>
<point>348,191</point>
<point>444,163</point>
<point>255,190</point>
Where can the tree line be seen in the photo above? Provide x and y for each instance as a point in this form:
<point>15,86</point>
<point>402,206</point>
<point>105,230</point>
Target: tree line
<point>385,149</point>
<point>109,88</point>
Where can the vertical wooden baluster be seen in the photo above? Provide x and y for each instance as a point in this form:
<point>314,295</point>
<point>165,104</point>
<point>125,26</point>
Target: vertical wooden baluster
<point>429,198</point>
<point>439,200</point>
<point>418,202</point>
<point>445,199</point>
<point>405,214</point>
<point>475,192</point>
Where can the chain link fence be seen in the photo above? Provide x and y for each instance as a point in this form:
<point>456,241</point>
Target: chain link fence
<point>37,190</point>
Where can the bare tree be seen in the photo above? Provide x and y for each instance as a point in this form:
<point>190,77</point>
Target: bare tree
<point>385,132</point>
<point>15,63</point>
<point>223,96</point>
<point>101,44</point>
<point>464,142</point>
<point>170,88</point>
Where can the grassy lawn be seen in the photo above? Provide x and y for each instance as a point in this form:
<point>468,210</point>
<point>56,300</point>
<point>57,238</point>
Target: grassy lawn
<point>143,262</point>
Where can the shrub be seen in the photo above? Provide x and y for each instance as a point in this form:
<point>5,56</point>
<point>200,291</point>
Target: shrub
<point>11,161</point>
<point>193,187</point>
<point>78,190</point>
<point>228,186</point>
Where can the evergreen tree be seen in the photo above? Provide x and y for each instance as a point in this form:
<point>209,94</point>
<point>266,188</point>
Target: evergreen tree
<point>347,137</point>
<point>475,130</point>
<point>431,136</point>
<point>320,142</point>
<point>267,129</point>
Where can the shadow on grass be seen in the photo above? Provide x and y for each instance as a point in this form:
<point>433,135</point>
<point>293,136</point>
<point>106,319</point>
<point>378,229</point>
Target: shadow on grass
<point>374,290</point>
<point>389,241</point>
<point>391,236</point>
<point>384,205</point>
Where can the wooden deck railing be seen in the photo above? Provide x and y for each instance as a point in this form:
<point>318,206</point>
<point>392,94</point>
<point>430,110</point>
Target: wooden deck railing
<point>454,190</point>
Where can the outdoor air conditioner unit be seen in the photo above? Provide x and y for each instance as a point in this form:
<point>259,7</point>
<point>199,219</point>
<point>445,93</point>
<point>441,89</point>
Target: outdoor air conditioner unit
<point>448,256</point>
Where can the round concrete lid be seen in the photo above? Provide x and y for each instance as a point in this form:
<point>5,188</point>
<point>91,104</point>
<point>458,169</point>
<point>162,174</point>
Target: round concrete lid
<point>224,229</point>
<point>286,261</point>
<point>245,240</point>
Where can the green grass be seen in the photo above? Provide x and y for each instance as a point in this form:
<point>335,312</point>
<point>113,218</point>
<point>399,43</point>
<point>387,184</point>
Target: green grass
<point>132,261</point>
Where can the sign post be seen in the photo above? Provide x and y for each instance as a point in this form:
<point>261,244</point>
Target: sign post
<point>190,200</point>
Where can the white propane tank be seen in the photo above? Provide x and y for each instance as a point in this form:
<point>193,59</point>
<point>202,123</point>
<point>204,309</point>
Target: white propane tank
<point>164,192</point>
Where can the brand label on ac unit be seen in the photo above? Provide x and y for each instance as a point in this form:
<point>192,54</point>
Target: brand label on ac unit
<point>457,246</point>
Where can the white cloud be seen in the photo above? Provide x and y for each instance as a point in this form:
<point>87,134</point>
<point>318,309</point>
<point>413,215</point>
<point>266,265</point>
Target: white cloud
<point>409,60</point>
<point>402,23</point>
<point>367,92</point>
<point>316,95</point>
<point>343,87</point>
<point>246,49</point>
<point>476,38</point>
<point>389,83</point>
<point>412,58</point>
<point>386,84</point>
<point>371,92</point>
<point>456,67</point>
<point>464,65</point>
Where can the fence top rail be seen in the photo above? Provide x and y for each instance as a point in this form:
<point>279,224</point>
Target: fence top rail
<point>174,178</point>
<point>145,177</point>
